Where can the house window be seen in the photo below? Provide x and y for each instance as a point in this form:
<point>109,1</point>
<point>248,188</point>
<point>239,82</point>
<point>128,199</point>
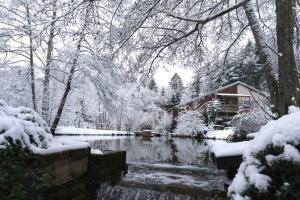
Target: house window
<point>228,100</point>
<point>246,103</point>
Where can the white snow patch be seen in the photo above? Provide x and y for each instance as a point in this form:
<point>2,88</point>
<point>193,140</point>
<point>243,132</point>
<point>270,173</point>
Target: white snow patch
<point>96,151</point>
<point>230,149</point>
<point>293,109</point>
<point>220,134</point>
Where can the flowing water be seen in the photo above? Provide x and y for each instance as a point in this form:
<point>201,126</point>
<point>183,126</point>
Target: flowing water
<point>163,169</point>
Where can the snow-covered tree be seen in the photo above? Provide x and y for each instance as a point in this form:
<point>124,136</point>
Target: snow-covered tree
<point>152,85</point>
<point>174,92</point>
<point>198,33</point>
<point>15,86</point>
<point>176,83</point>
<point>240,66</point>
<point>139,108</point>
<point>190,123</point>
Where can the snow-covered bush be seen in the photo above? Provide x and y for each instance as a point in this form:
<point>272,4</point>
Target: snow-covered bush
<point>190,123</point>
<point>249,122</point>
<point>165,122</point>
<point>271,163</point>
<point>23,125</point>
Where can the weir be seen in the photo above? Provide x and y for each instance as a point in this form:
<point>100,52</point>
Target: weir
<point>76,174</point>
<point>134,168</point>
<point>164,169</point>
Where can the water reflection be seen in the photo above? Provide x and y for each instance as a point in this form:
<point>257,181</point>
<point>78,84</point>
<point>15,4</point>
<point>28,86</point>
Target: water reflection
<point>160,149</point>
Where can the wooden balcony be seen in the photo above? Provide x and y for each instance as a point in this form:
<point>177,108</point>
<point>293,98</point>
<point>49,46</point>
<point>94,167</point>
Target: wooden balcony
<point>234,108</point>
<point>230,108</point>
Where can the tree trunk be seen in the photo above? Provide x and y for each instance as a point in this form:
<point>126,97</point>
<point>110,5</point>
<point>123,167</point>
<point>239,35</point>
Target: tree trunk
<point>288,73</point>
<point>71,74</point>
<point>68,86</point>
<point>46,81</point>
<point>264,56</point>
<point>32,75</point>
<point>64,97</point>
<point>297,24</point>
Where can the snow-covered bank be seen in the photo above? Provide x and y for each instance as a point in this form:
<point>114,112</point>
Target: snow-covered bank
<point>93,132</point>
<point>87,138</point>
<point>276,142</point>
<point>220,134</point>
<point>219,147</point>
<point>26,126</point>
<point>230,149</point>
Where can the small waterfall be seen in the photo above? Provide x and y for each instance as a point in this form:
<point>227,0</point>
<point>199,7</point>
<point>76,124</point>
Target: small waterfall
<point>163,169</point>
<point>105,192</point>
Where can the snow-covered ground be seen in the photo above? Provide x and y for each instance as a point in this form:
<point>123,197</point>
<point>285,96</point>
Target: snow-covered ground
<point>96,151</point>
<point>212,143</point>
<point>220,134</point>
<point>87,138</point>
<point>86,131</point>
<point>230,149</point>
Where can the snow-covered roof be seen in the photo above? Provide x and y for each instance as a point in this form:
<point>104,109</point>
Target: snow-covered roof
<point>233,95</point>
<point>238,83</point>
<point>223,88</point>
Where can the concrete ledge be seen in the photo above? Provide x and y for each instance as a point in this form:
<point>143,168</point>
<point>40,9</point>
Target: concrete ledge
<point>75,174</point>
<point>228,162</point>
<point>62,167</point>
<point>107,166</point>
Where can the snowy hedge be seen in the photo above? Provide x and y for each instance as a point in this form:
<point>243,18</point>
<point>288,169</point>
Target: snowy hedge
<point>249,122</point>
<point>25,125</point>
<point>190,123</point>
<point>271,163</point>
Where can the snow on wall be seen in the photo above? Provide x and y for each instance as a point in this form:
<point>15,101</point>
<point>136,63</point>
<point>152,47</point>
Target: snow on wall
<point>25,125</point>
<point>284,132</point>
<point>230,149</point>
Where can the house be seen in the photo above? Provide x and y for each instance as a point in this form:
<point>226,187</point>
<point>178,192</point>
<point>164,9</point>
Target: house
<point>230,100</point>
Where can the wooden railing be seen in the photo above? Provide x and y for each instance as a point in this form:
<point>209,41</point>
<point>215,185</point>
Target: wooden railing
<point>233,108</point>
<point>230,108</point>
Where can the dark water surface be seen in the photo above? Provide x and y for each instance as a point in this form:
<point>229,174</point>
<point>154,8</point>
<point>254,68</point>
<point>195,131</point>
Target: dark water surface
<point>163,169</point>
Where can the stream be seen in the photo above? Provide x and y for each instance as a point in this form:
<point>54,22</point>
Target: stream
<point>160,168</point>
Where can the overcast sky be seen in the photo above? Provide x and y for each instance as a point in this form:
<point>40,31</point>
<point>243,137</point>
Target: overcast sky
<point>163,76</point>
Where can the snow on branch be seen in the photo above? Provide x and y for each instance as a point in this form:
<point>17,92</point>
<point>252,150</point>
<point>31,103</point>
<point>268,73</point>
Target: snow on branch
<point>208,19</point>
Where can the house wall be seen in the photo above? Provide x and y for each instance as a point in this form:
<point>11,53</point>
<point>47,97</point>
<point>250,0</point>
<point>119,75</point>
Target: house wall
<point>200,102</point>
<point>244,90</point>
<point>230,90</point>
